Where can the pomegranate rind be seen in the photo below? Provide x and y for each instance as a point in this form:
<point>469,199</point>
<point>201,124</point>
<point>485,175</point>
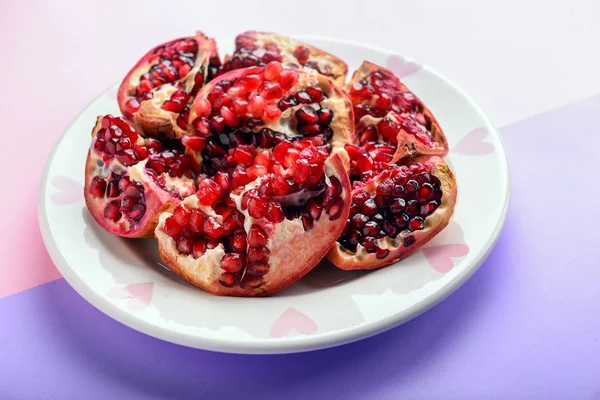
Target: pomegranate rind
<point>156,200</point>
<point>434,224</point>
<point>336,67</point>
<point>150,119</point>
<point>408,146</point>
<point>293,252</point>
<point>338,101</point>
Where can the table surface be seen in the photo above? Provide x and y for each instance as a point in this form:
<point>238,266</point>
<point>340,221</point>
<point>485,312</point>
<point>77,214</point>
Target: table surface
<point>525,326</point>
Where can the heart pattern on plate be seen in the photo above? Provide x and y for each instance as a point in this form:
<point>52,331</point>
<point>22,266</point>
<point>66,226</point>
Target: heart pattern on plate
<point>441,257</point>
<point>292,319</point>
<point>473,144</point>
<point>69,191</point>
<point>401,67</point>
<point>139,294</point>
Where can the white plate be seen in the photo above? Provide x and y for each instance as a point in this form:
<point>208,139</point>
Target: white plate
<point>125,279</point>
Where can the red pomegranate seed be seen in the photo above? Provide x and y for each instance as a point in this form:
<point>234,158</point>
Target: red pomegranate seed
<point>358,221</point>
<point>287,79</point>
<point>381,253</point>
<point>388,129</point>
<point>257,236</point>
<point>416,223</point>
<point>173,106</point>
<point>131,106</point>
<point>208,192</point>
<point>196,143</point>
<point>229,116</point>
<point>97,187</point>
<point>137,212</point>
<point>224,180</point>
<point>181,215</point>
<point>315,94</point>
<point>184,245</point>
<point>110,148</point>
<point>369,208</point>
<point>272,70</point>
<point>302,53</point>
<point>310,154</point>
<point>325,116</point>
<point>240,177</point>
<point>196,220</point>
<point>290,157</point>
<point>256,171</point>
<point>221,101</point>
<point>131,190</point>
<point>233,223</point>
<point>280,151</point>
<point>112,212</point>
<point>301,170</point>
<point>425,192</point>
<point>280,186</point>
<point>239,243</point>
<point>141,152</point>
<point>217,124</point>
<point>274,212</point>
<point>198,248</point>
<point>263,158</point>
<point>203,108</point>
<point>309,130</point>
<point>258,254</point>
<point>257,208</point>
<point>241,156</point>
<point>240,107</point>
<point>256,106</point>
<point>303,98</point>
<point>250,82</point>
<point>113,189</point>
<point>272,112</point>
<point>212,227</point>
<point>232,262</point>
<point>228,279</point>
<point>171,227</point>
<point>306,115</point>
<point>364,163</point>
<point>271,91</point>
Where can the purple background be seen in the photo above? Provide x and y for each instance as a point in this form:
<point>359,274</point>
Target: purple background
<point>527,325</point>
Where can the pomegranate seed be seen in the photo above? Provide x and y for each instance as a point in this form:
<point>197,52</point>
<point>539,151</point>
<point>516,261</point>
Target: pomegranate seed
<point>258,269</point>
<point>272,70</point>
<point>217,124</point>
<point>250,82</point>
<point>172,106</point>
<point>232,262</point>
<point>325,116</point>
<point>272,112</point>
<point>369,208</point>
<point>137,212</point>
<point>256,106</point>
<point>315,94</point>
<point>131,190</point>
<point>309,130</point>
<point>416,223</point>
<point>271,91</point>
<point>258,254</point>
<point>97,187</point>
<point>241,156</point>
<point>358,221</point>
<point>425,192</point>
<point>397,206</point>
<point>113,189</point>
<point>112,212</point>
<point>256,171</point>
<point>171,227</point>
<point>240,177</point>
<point>257,236</point>
<point>131,107</point>
<point>208,192</point>
<point>212,227</point>
<point>184,245</point>
<point>263,158</point>
<point>306,115</point>
<point>196,143</point>
<point>198,248</point>
<point>302,53</point>
<point>274,212</point>
<point>364,163</point>
<point>240,107</point>
<point>257,208</point>
<point>287,79</point>
<point>229,116</point>
<point>141,152</point>
<point>371,229</point>
<point>280,151</point>
<point>381,253</point>
<point>181,215</point>
<point>280,186</point>
<point>203,108</point>
<point>196,220</point>
<point>290,157</point>
<point>239,243</point>
<point>301,170</point>
<point>303,98</point>
<point>388,129</point>
<point>228,279</point>
<point>184,70</point>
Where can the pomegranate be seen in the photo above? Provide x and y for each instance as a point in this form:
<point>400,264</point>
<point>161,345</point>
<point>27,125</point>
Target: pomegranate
<point>256,238</point>
<point>130,180</point>
<point>395,209</point>
<point>391,122</point>
<point>156,93</point>
<point>262,106</point>
<point>259,48</point>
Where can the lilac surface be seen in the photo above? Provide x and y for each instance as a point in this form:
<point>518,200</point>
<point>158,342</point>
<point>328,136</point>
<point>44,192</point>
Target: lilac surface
<point>525,326</point>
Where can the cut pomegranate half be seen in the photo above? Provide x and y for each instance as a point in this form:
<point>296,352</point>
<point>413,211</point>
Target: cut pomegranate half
<point>395,209</point>
<point>256,238</point>
<point>259,48</point>
<point>130,180</point>
<point>391,122</point>
<point>156,93</point>
<point>263,106</point>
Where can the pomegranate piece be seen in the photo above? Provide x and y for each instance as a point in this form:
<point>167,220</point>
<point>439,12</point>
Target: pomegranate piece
<point>156,93</point>
<point>395,210</point>
<point>241,243</point>
<point>127,189</point>
<point>259,49</point>
<point>391,122</point>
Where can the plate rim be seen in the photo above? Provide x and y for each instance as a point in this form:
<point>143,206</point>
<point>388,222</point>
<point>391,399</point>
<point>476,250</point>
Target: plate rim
<point>289,345</point>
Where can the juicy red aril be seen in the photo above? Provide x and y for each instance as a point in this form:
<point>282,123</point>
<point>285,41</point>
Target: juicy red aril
<point>181,215</point>
<point>257,236</point>
<point>256,106</point>
<point>274,212</point>
<point>212,227</point>
<point>229,117</point>
<point>315,94</point>
<point>217,124</point>
<point>303,98</point>
<point>184,245</point>
<point>232,262</point>
<point>196,143</point>
<point>369,208</point>
<point>258,269</point>
<point>287,79</point>
<point>228,279</point>
<point>97,187</point>
<point>112,212</point>
<point>271,91</point>
<point>171,227</point>
<point>358,221</point>
<point>306,115</point>
<point>257,254</point>
<point>239,242</point>
<point>209,192</point>
<point>257,208</point>
<point>272,70</point>
<point>302,53</point>
<point>381,253</point>
<point>196,220</point>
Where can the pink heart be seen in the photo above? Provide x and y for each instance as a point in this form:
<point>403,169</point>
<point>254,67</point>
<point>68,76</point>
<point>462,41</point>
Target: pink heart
<point>69,191</point>
<point>292,319</point>
<point>473,144</point>
<point>440,257</point>
<point>402,68</point>
<point>139,294</point>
